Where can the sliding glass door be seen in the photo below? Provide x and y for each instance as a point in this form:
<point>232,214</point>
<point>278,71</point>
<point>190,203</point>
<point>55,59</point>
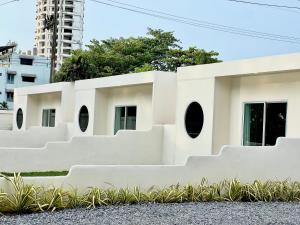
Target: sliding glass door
<point>264,123</point>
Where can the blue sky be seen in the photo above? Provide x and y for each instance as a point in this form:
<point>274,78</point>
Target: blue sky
<point>17,22</point>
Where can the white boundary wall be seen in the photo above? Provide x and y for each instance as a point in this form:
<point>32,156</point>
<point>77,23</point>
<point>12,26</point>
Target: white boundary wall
<point>6,120</point>
<point>247,164</point>
<point>127,147</point>
<point>34,137</point>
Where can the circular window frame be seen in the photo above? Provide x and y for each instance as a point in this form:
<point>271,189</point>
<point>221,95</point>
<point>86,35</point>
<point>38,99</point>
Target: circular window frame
<point>83,129</point>
<point>185,120</point>
<point>19,113</point>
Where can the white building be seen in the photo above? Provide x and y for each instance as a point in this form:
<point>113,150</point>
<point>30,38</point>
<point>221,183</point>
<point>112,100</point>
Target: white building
<point>70,28</point>
<point>217,121</point>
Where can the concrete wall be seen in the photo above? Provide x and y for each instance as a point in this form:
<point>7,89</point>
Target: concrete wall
<point>188,91</point>
<point>127,147</point>
<point>6,118</point>
<point>222,116</point>
<point>34,137</point>
<point>244,163</point>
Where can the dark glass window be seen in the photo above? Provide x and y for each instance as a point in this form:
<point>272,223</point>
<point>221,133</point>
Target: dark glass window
<point>253,124</point>
<point>10,78</point>
<point>83,118</point>
<point>275,122</point>
<point>19,118</point>
<point>194,119</point>
<point>26,61</point>
<point>264,123</point>
<point>28,79</point>
<point>10,96</point>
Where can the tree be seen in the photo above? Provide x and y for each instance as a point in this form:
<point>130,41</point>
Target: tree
<point>3,105</point>
<point>158,50</point>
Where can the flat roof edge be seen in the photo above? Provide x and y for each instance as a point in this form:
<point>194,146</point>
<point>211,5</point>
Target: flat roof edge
<point>120,80</point>
<point>43,88</point>
<point>278,63</point>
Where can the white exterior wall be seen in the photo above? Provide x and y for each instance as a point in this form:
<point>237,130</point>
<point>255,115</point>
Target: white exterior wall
<point>126,148</point>
<point>188,91</point>
<point>6,118</point>
<point>222,113</point>
<point>244,163</point>
<point>139,96</point>
<point>272,87</point>
<point>154,94</point>
<point>34,137</point>
<point>32,101</point>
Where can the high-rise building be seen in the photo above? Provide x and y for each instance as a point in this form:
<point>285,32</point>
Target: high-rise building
<point>69,28</point>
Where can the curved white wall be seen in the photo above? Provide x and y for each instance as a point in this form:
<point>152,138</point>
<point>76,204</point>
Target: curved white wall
<point>34,137</point>
<point>247,164</point>
<point>127,147</point>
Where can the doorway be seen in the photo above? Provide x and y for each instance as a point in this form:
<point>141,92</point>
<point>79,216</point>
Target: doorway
<point>263,123</point>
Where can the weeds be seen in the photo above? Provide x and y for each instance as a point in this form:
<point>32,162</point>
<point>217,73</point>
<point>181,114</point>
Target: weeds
<point>24,198</point>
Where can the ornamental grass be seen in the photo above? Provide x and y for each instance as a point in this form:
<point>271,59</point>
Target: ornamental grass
<point>25,198</point>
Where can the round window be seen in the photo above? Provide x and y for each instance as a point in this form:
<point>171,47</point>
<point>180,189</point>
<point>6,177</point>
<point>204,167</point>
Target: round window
<point>83,118</point>
<point>194,119</point>
<point>19,118</point>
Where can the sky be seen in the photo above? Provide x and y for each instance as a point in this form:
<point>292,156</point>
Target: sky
<point>17,23</point>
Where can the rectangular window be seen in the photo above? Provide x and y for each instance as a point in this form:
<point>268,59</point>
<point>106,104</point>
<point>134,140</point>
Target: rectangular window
<point>26,61</point>
<point>10,78</point>
<point>28,79</point>
<point>264,123</point>
<point>125,118</point>
<point>10,96</point>
<point>48,119</point>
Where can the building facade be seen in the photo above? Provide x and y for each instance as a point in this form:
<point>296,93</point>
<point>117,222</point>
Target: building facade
<point>69,29</point>
<point>227,120</point>
<point>19,71</point>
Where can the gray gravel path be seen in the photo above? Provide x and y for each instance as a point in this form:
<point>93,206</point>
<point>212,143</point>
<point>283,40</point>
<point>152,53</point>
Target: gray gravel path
<point>187,213</point>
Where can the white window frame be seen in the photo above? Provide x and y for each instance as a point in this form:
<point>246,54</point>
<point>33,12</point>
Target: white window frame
<point>264,118</point>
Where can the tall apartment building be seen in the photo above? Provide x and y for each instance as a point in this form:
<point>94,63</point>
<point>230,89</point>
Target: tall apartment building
<point>69,29</point>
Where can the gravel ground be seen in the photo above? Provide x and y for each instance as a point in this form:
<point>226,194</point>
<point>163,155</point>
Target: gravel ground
<point>187,213</point>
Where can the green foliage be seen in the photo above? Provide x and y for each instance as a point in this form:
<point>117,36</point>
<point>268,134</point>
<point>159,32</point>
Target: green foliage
<point>38,174</point>
<point>3,105</point>
<point>24,198</point>
<point>159,50</point>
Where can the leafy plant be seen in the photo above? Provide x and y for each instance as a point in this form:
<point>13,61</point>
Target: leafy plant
<point>3,105</point>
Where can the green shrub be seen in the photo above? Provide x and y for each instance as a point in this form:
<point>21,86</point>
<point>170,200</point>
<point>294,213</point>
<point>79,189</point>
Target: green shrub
<point>24,198</point>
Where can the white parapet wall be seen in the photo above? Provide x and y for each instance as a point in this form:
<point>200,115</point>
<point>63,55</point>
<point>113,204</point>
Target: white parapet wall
<point>34,137</point>
<point>6,120</point>
<point>247,164</point>
<point>127,147</point>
